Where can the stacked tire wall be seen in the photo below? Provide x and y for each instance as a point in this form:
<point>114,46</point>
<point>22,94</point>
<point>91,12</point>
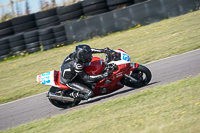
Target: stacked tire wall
<point>47,39</point>
<point>23,23</point>
<point>47,18</point>
<point>17,44</point>
<point>117,4</point>
<point>28,33</point>
<point>4,48</point>
<point>6,29</point>
<point>71,12</point>
<point>32,41</point>
<point>60,35</point>
<point>93,7</point>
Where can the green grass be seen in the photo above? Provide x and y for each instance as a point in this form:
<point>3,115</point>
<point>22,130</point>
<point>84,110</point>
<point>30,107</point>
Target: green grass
<point>143,44</point>
<point>172,108</point>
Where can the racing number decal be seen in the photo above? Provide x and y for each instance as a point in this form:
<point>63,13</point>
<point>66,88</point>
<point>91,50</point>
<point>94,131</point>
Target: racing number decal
<point>45,79</point>
<point>126,57</point>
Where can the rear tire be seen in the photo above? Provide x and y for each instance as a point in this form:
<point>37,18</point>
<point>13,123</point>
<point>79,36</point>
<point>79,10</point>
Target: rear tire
<point>62,104</point>
<point>142,74</point>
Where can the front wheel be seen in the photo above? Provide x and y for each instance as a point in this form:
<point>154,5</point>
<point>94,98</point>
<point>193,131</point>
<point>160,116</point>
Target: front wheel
<point>143,76</point>
<point>59,103</point>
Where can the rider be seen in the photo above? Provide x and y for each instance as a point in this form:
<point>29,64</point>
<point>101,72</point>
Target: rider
<point>72,71</point>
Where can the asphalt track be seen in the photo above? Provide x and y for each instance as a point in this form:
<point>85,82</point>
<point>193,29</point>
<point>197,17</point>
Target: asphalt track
<point>37,107</point>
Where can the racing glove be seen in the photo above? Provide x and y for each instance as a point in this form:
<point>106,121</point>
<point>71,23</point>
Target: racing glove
<point>106,49</point>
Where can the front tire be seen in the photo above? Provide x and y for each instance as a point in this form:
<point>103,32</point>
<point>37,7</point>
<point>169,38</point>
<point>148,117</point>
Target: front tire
<point>62,104</point>
<point>143,76</point>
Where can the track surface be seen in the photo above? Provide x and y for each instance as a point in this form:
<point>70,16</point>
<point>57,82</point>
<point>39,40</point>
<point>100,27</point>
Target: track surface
<point>37,107</point>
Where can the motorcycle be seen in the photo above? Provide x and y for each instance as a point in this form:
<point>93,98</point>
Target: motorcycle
<point>117,62</point>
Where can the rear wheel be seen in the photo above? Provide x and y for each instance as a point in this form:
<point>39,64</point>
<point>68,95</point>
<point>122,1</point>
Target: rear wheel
<point>62,104</point>
<point>143,76</point>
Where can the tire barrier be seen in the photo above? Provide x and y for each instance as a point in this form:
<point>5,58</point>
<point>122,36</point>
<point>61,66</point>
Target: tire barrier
<point>46,37</point>
<point>6,29</point>
<point>47,18</point>
<point>60,36</point>
<point>23,23</point>
<point>71,12</point>
<point>17,44</point>
<point>4,48</point>
<point>118,4</point>
<point>93,7</point>
<point>32,41</point>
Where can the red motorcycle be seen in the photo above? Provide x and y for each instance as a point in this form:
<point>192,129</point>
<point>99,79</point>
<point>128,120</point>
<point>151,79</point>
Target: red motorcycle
<point>123,73</point>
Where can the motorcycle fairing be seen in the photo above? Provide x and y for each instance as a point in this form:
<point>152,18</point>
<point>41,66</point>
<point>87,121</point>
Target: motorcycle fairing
<point>124,59</point>
<point>95,67</point>
<point>115,83</point>
<point>57,81</point>
<point>46,78</point>
<point>51,78</point>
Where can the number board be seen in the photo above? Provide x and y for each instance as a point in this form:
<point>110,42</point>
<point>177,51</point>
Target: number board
<point>45,78</point>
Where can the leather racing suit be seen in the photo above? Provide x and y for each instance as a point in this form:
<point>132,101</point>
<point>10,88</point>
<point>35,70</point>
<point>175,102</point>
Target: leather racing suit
<point>72,72</point>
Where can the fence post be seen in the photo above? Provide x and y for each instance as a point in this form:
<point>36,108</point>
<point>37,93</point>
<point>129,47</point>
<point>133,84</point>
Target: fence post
<point>12,8</point>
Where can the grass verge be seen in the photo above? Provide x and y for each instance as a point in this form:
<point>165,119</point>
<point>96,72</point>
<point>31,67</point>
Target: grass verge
<point>169,108</point>
<point>144,44</point>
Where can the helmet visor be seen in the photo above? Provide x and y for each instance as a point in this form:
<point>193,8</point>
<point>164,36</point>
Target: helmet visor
<point>87,56</point>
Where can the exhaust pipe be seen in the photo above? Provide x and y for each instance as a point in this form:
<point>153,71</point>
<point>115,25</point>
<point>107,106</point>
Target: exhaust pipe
<point>61,98</point>
<point>131,78</point>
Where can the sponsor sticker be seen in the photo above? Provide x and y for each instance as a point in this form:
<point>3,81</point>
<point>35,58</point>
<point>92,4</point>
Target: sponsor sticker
<point>45,78</point>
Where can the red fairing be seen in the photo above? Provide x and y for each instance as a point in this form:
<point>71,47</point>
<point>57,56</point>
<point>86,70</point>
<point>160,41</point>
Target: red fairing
<point>133,67</point>
<point>124,67</point>
<point>122,50</point>
<point>57,80</point>
<point>95,67</point>
<point>136,65</point>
